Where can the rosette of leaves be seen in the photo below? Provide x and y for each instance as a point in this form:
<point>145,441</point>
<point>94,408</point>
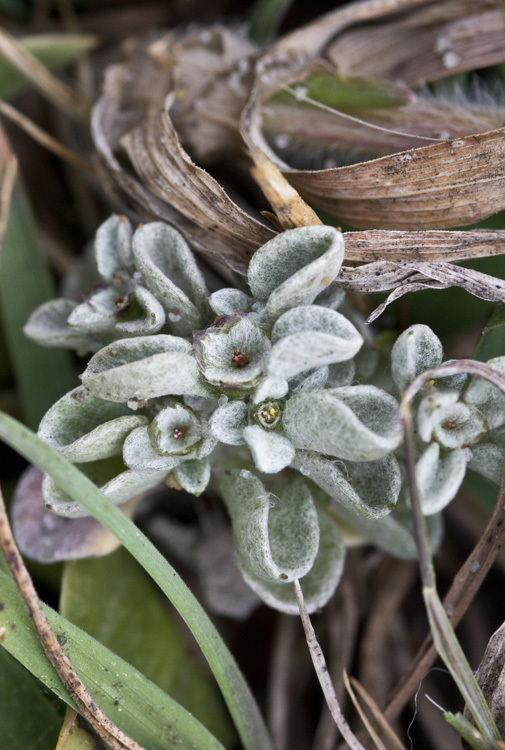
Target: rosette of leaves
<point>147,282</point>
<point>460,420</point>
<point>307,452</point>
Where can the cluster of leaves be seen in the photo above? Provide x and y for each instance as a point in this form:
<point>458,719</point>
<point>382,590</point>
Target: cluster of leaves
<point>234,388</point>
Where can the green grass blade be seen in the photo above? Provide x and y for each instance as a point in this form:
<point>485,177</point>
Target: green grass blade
<point>36,728</point>
<point>52,50</point>
<point>43,375</point>
<point>135,704</point>
<point>236,693</point>
<point>113,599</point>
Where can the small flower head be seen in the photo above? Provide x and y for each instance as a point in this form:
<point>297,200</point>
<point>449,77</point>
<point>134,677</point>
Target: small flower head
<point>232,352</point>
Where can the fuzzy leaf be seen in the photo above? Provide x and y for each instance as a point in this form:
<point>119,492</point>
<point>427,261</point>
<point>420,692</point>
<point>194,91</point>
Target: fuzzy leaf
<point>415,351</point>
<point>48,326</point>
<point>308,337</point>
<point>169,270</point>
<point>439,477</point>
<point>193,476</point>
<point>271,452</point>
<point>318,584</point>
<point>486,397</point>
<point>102,313</point>
<point>230,301</point>
<point>140,454</point>
<point>312,381</point>
<point>270,388</point>
<point>85,428</point>
<point>43,536</point>
<point>370,488</point>
<point>487,460</point>
<point>450,422</point>
<point>359,423</point>
<point>392,533</point>
<point>295,266</point>
<point>113,248</point>
<point>276,534</point>
<point>119,488</point>
<point>143,368</point>
<point>228,422</point>
<point>343,373</point>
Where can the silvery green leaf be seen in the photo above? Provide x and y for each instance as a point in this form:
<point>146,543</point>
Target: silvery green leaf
<point>367,359</point>
<point>120,488</point>
<point>85,428</point>
<point>143,368</point>
<point>232,352</point>
<point>430,408</point>
<point>270,388</point>
<point>209,441</point>
<point>193,476</point>
<point>108,312</point>
<point>371,488</point>
<point>152,316</point>
<point>450,422</point>
<point>271,452</point>
<point>341,374</point>
<point>392,533</point>
<point>295,267</point>
<point>48,326</point>
<point>113,248</point>
<point>318,584</point>
<point>332,297</point>
<point>415,351</point>
<point>139,453</point>
<point>230,301</point>
<point>312,381</point>
<point>486,397</point>
<point>168,268</point>
<point>276,534</point>
<point>439,477</point>
<point>175,430</point>
<point>308,337</point>
<point>228,422</point>
<point>359,423</point>
<point>452,382</point>
<point>487,460</point>
<point>460,426</point>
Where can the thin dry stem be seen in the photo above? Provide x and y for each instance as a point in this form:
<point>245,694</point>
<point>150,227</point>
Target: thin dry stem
<point>386,728</point>
<point>475,568</point>
<point>85,702</point>
<point>323,676</point>
<point>57,92</point>
<point>46,140</point>
<point>371,731</point>
<point>281,676</point>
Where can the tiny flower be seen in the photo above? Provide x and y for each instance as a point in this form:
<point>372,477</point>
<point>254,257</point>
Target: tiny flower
<point>175,430</point>
<point>232,352</point>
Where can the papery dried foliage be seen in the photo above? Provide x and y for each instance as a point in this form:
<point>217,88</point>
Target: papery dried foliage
<point>203,91</point>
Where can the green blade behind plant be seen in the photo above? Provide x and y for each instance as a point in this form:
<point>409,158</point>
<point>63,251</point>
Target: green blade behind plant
<point>134,703</point>
<point>43,375</point>
<point>112,599</point>
<point>235,690</point>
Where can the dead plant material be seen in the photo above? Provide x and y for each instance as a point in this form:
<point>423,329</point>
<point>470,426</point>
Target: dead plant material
<point>202,92</point>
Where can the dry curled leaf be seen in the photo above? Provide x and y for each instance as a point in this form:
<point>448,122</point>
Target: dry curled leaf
<point>200,95</point>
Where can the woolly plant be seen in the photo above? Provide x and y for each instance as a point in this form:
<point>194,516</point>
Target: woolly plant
<point>269,396</point>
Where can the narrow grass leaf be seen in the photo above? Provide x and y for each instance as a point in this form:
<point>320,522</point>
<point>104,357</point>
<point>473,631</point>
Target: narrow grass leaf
<point>43,375</point>
<point>134,703</point>
<point>236,693</point>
